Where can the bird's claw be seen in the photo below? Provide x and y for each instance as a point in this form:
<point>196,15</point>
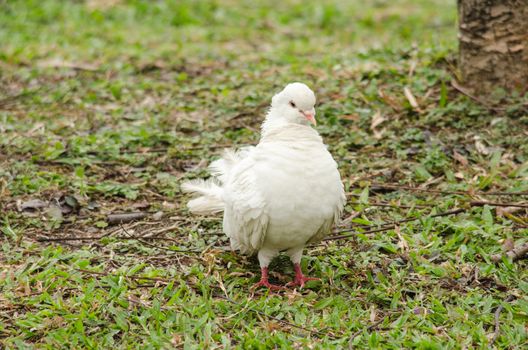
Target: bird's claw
<point>300,281</point>
<point>266,284</point>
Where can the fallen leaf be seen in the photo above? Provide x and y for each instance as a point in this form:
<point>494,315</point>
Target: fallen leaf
<point>402,243</point>
<point>420,311</point>
<point>54,212</point>
<point>272,326</point>
<point>4,191</point>
<point>481,148</point>
<point>176,340</point>
<point>33,205</point>
<point>460,158</point>
<point>377,119</point>
<point>92,205</point>
<point>68,204</point>
<point>459,175</point>
<point>410,97</point>
<point>508,245</point>
<point>158,215</point>
<point>169,205</point>
<point>390,101</point>
<point>373,314</point>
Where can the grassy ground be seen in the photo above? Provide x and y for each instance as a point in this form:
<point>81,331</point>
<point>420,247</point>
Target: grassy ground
<point>106,106</point>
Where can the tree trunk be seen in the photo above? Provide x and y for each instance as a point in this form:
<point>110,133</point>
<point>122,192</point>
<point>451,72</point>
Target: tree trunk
<point>493,38</point>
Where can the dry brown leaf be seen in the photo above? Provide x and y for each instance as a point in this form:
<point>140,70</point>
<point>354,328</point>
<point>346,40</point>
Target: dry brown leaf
<point>508,245</point>
<point>481,148</point>
<point>378,134</point>
<point>169,205</point>
<point>218,279</point>
<point>459,175</point>
<point>4,191</point>
<point>410,97</point>
<point>272,326</point>
<point>390,100</point>
<point>176,340</point>
<point>32,205</point>
<point>373,314</point>
<point>377,119</point>
<point>460,158</point>
<point>402,243</point>
<point>414,63</point>
<point>158,215</point>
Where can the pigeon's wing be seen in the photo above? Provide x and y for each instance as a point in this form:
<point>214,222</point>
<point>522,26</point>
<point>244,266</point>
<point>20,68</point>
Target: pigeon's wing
<point>327,225</point>
<point>245,216</point>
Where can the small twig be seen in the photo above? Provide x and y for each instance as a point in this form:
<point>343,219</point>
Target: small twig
<point>503,193</point>
<point>61,239</point>
<point>475,98</point>
<point>134,151</point>
<point>514,254</point>
<point>155,233</point>
<point>391,226</point>
<point>494,204</point>
<point>389,205</point>
<point>374,325</point>
<point>333,238</point>
<point>121,218</point>
<point>497,322</point>
<point>98,238</point>
<point>166,149</point>
<point>378,186</point>
<point>157,279</point>
<point>161,247</point>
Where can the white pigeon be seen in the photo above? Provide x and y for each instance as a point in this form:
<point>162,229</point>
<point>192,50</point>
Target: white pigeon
<point>280,195</point>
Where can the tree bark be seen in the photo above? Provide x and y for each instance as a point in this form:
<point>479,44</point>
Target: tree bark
<point>493,38</point>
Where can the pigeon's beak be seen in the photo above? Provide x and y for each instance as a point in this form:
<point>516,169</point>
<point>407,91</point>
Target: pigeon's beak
<point>310,116</point>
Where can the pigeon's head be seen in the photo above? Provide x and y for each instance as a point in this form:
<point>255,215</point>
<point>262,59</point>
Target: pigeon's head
<point>295,103</point>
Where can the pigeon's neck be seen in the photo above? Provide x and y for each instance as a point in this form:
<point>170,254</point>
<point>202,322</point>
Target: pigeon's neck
<point>275,120</point>
<point>275,127</point>
<point>272,122</point>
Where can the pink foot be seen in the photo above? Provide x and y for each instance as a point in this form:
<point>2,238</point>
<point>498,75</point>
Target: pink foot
<point>300,279</point>
<point>264,281</point>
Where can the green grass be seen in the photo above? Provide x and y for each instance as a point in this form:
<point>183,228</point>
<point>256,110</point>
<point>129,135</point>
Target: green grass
<point>107,108</point>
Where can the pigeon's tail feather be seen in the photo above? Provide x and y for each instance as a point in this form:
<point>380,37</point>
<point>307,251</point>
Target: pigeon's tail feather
<point>222,167</point>
<point>210,191</point>
<point>210,199</point>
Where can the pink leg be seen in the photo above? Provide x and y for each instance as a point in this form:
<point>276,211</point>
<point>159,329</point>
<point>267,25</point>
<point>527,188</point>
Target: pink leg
<point>264,281</point>
<point>300,279</point>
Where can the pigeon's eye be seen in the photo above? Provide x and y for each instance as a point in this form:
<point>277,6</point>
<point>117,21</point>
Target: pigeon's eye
<point>292,104</point>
